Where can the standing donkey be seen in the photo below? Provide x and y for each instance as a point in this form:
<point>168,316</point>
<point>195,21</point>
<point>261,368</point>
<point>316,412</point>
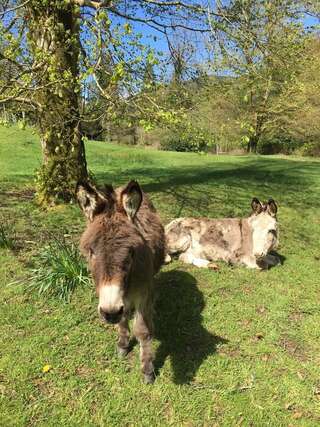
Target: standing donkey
<point>124,244</point>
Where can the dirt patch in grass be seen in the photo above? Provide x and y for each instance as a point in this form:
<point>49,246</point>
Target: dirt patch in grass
<point>231,352</point>
<point>247,288</point>
<point>43,386</point>
<point>23,195</point>
<point>293,348</point>
<point>262,310</point>
<point>223,292</point>
<point>84,371</point>
<point>296,316</point>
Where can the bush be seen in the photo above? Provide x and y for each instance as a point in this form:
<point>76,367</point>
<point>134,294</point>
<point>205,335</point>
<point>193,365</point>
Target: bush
<point>186,138</point>
<point>60,270</point>
<point>279,144</point>
<point>310,149</point>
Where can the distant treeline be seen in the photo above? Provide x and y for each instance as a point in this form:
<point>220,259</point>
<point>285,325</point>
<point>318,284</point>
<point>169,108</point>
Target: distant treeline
<point>276,111</point>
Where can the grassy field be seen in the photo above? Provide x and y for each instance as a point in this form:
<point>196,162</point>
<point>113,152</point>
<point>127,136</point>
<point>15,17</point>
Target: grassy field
<point>234,347</point>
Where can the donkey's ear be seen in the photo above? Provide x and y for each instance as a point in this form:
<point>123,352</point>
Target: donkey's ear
<point>272,208</point>
<point>131,198</point>
<point>256,205</point>
<point>90,200</point>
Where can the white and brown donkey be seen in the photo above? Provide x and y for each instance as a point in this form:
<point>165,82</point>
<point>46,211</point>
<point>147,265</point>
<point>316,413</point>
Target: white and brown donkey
<point>124,244</point>
<point>245,241</point>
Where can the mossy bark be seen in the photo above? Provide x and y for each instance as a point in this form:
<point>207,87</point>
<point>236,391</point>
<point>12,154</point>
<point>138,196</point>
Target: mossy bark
<point>54,38</point>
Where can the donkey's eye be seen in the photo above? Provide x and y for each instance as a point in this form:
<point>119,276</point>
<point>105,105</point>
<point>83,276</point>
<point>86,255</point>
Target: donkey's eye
<point>91,253</point>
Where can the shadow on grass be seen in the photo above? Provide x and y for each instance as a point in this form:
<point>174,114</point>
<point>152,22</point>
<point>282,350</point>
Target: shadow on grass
<point>231,183</point>
<point>214,187</point>
<point>281,258</point>
<point>178,323</point>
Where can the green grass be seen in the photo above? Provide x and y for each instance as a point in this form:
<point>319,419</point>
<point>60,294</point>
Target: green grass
<point>238,347</point>
<point>6,236</point>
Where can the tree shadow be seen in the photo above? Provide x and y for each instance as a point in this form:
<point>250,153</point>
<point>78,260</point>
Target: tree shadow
<point>230,184</point>
<point>178,326</point>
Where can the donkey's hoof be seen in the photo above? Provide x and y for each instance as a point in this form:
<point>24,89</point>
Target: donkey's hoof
<point>213,266</point>
<point>122,352</point>
<point>167,259</point>
<point>149,378</point>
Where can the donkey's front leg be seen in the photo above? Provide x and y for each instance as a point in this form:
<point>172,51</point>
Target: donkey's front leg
<point>189,258</point>
<point>124,337</point>
<point>142,329</point>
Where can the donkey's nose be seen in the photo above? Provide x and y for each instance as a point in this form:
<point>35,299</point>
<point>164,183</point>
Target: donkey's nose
<point>113,316</point>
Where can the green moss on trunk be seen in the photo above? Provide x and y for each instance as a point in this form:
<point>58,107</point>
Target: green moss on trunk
<point>54,39</point>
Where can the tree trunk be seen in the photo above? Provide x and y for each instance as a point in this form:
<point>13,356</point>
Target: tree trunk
<point>260,118</point>
<point>255,137</point>
<point>252,144</point>
<point>54,31</point>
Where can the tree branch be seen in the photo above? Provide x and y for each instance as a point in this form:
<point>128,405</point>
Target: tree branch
<point>14,8</point>
<point>94,4</point>
<point>174,4</point>
<point>158,26</point>
<point>180,4</point>
<point>12,61</point>
<point>22,100</point>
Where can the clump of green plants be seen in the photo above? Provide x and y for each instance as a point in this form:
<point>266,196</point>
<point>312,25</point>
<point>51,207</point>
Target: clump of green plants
<point>184,137</point>
<point>283,144</point>
<point>6,236</point>
<point>311,148</point>
<point>60,270</point>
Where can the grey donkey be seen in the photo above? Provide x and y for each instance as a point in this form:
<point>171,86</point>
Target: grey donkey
<point>247,241</point>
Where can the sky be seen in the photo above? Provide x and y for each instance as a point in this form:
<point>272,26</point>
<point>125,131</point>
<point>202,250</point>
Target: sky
<point>161,43</point>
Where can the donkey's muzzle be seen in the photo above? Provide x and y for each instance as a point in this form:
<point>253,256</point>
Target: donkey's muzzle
<point>111,317</point>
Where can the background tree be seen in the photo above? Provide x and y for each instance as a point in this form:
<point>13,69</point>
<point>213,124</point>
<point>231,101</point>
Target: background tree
<point>262,46</point>
<point>251,87</point>
<point>301,123</point>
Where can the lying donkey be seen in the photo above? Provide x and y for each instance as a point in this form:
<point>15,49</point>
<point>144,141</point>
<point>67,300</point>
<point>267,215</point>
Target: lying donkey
<point>124,244</point>
<point>245,241</point>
